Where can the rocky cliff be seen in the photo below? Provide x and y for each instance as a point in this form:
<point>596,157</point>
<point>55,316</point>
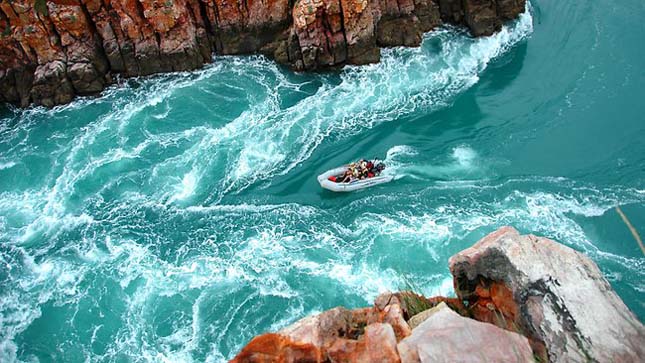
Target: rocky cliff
<point>519,299</point>
<point>51,53</point>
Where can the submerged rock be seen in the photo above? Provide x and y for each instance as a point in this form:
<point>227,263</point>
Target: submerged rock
<point>555,296</point>
<point>74,47</point>
<point>445,336</point>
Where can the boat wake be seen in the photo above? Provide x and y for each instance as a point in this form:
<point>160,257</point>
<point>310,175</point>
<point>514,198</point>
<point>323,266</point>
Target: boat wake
<point>463,163</point>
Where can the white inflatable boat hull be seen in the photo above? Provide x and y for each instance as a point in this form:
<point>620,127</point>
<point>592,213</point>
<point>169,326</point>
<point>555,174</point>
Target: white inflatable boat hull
<point>324,181</point>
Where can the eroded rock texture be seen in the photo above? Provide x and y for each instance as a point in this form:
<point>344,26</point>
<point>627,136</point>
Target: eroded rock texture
<point>75,47</point>
<point>555,296</point>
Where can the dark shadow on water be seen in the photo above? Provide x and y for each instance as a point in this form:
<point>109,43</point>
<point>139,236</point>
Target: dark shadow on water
<point>464,113</point>
<point>503,71</point>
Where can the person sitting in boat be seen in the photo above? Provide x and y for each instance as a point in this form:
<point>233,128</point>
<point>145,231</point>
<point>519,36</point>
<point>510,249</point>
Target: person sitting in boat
<point>352,173</point>
<point>369,170</point>
<point>365,169</point>
<point>347,177</point>
<point>356,173</point>
<point>362,169</point>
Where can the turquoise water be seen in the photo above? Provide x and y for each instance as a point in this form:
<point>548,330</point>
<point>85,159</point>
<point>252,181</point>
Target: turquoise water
<point>176,217</point>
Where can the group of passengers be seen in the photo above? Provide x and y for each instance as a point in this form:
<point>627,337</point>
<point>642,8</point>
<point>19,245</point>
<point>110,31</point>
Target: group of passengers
<point>359,170</point>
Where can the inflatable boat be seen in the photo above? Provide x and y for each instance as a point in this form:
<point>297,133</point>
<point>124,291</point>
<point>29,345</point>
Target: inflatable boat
<point>356,184</point>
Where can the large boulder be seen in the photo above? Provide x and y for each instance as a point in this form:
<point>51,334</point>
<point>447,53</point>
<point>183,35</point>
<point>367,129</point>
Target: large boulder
<point>445,336</point>
<point>550,293</point>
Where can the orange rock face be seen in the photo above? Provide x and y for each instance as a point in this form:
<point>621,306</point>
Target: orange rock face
<point>318,30</point>
<point>276,348</point>
<point>75,46</point>
<point>495,304</point>
<point>337,335</point>
<point>377,344</point>
<point>340,335</point>
<point>34,33</point>
<point>44,49</point>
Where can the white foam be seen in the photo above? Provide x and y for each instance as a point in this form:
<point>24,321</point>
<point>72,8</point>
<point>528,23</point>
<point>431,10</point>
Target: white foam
<point>404,161</point>
<point>362,279</point>
<point>7,165</point>
<point>446,288</point>
<point>8,350</point>
<point>267,139</point>
<point>264,259</point>
<point>400,150</point>
<point>275,242</point>
<point>464,156</point>
<point>187,188</point>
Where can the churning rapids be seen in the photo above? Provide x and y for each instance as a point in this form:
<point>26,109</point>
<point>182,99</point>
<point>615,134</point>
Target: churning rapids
<point>177,216</point>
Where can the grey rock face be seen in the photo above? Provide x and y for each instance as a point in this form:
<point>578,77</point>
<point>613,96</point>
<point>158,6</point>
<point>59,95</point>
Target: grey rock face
<point>560,297</point>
